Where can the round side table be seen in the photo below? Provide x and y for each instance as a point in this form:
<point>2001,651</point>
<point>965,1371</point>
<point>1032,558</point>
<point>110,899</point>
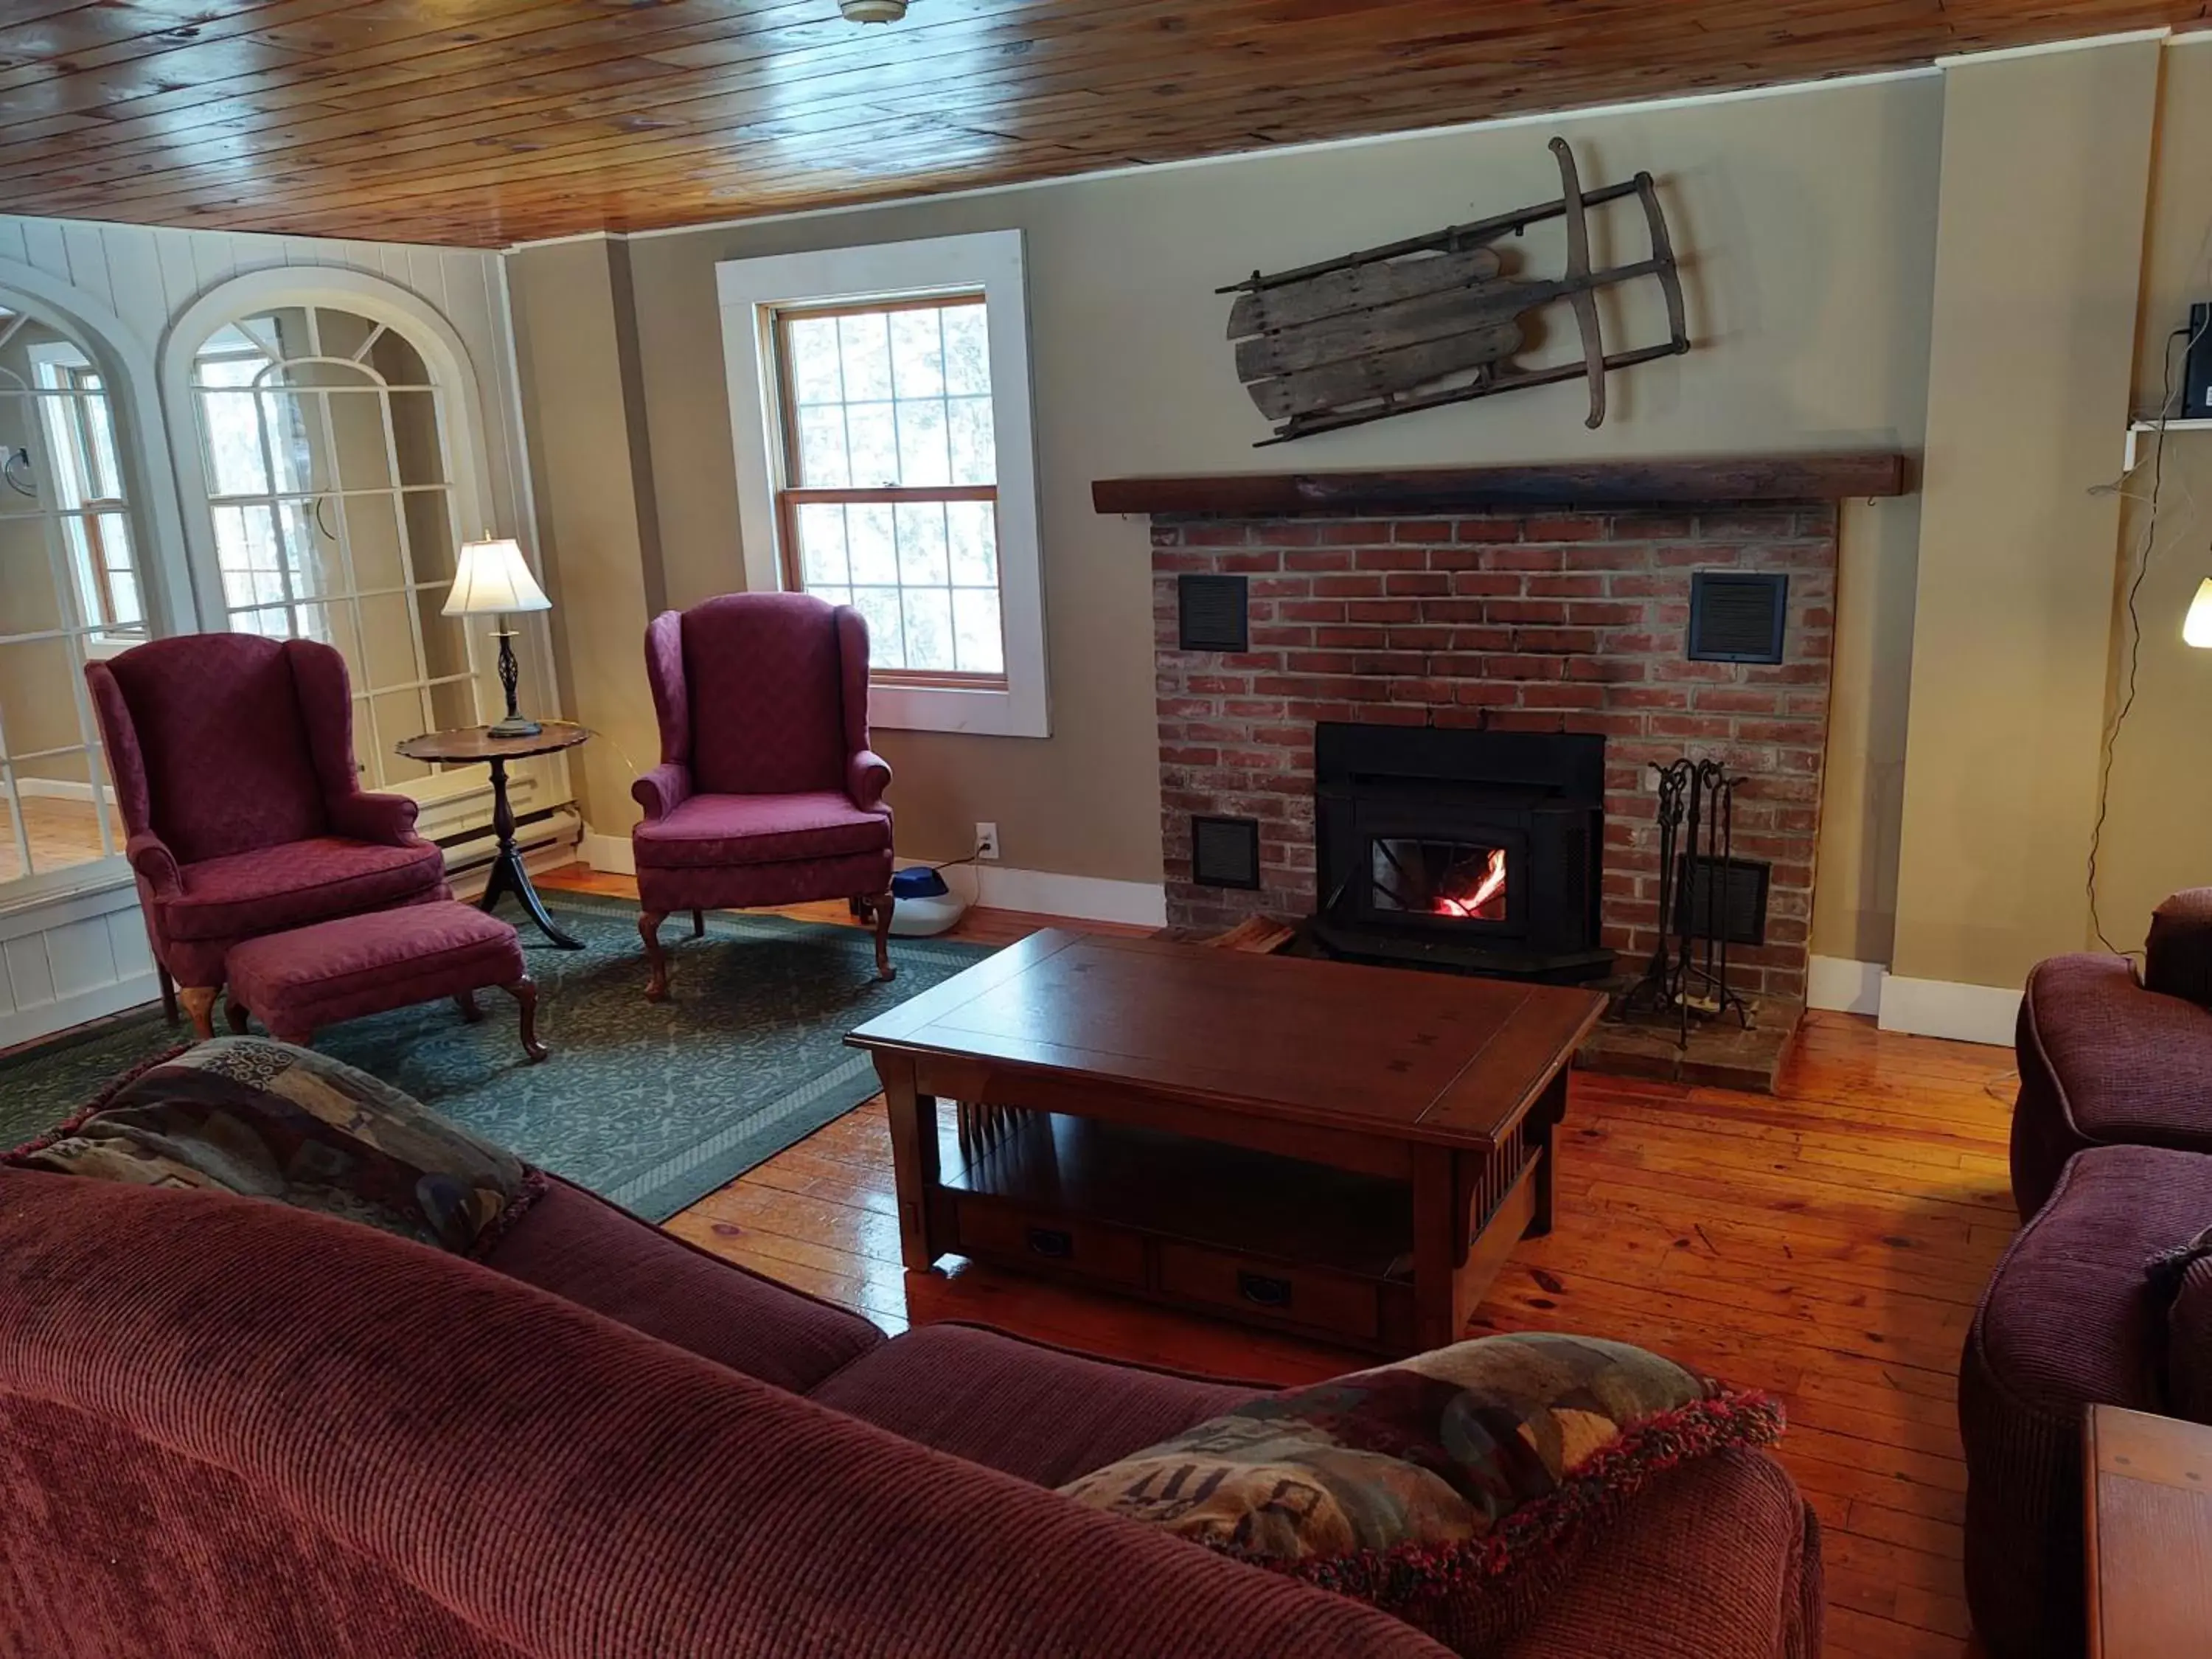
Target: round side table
<point>475,743</point>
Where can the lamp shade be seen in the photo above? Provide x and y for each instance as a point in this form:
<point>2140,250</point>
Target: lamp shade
<point>2196,629</point>
<point>494,579</point>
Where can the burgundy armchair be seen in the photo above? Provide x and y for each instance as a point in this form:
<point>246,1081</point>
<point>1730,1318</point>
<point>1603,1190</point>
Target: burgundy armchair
<point>233,767</point>
<point>767,792</point>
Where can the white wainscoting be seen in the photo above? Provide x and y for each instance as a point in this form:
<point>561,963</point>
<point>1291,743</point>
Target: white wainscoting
<point>71,959</point>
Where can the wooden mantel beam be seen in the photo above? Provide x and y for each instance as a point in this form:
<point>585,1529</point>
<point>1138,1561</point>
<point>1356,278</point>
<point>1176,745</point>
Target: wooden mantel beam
<point>1457,488</point>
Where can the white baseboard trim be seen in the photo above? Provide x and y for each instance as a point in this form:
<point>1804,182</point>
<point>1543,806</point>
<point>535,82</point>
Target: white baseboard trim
<point>1843,986</point>
<point>1941,1008</point>
<point>1040,892</point>
<point>44,1018</point>
<point>62,789</point>
<point>608,853</point>
<point>1086,898</point>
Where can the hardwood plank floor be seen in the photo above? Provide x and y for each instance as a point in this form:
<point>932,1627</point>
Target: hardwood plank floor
<point>1827,1243</point>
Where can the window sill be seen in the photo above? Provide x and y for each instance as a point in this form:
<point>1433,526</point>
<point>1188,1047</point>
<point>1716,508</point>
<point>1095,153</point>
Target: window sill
<point>996,712</point>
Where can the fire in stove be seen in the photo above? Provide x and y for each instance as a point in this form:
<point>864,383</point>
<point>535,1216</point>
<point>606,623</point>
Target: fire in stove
<point>1487,902</point>
<point>1456,880</point>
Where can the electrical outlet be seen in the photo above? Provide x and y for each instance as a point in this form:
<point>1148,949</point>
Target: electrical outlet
<point>987,842</point>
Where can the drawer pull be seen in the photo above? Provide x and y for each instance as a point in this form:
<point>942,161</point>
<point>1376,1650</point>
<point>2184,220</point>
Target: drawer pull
<point>1263,1292</point>
<point>1052,1242</point>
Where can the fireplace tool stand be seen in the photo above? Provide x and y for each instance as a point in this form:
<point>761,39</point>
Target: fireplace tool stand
<point>1688,971</point>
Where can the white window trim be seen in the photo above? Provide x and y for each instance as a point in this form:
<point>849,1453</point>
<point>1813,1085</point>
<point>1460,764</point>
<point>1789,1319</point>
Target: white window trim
<point>749,290</point>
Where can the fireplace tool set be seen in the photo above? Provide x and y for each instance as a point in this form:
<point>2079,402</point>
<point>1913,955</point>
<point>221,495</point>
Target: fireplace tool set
<point>1688,972</point>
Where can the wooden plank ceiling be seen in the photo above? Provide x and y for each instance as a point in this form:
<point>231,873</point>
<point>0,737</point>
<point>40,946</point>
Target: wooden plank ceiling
<point>485,122</point>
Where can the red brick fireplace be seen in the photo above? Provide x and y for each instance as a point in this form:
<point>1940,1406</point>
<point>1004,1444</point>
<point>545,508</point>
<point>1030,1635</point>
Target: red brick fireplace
<point>1421,599</point>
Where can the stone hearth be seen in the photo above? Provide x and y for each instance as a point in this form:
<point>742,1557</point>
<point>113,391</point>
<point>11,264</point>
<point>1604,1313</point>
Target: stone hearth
<point>1540,619</point>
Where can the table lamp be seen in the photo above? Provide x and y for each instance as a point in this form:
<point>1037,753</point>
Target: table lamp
<point>495,580</point>
<point>2197,627</point>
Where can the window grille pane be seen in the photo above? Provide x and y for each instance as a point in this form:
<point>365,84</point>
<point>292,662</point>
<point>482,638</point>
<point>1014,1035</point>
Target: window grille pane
<point>967,351</point>
<point>372,534</point>
<point>363,443</point>
<point>230,429</point>
<point>929,644</point>
<point>415,436</point>
<point>886,630</point>
<point>865,352</point>
<point>921,454</point>
<point>822,459</point>
<point>821,528</point>
<point>917,354</point>
<point>870,545</point>
<point>975,629</point>
<point>921,526</point>
<point>972,532</point>
<point>875,444</point>
<point>974,444</point>
<point>812,343</point>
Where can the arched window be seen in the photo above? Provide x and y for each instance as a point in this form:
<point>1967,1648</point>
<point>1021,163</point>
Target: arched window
<point>326,448</point>
<point>71,585</point>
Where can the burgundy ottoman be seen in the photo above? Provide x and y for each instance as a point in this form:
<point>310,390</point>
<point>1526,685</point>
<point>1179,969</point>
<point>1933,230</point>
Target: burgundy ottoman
<point>368,964</point>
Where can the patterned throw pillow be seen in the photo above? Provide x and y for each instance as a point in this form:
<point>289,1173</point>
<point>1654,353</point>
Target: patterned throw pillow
<point>267,1120</point>
<point>1451,1489</point>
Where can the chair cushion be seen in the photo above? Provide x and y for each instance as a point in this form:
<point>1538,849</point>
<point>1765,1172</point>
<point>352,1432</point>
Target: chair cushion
<point>577,1245</point>
<point>273,888</point>
<point>363,964</point>
<point>721,829</point>
<point>1040,1414</point>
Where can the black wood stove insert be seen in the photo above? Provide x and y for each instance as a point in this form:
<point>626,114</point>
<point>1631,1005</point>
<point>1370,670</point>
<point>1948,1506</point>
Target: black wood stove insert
<point>1481,852</point>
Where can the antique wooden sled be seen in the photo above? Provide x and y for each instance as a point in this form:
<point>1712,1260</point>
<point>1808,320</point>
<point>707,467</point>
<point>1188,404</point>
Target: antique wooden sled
<point>1432,320</point>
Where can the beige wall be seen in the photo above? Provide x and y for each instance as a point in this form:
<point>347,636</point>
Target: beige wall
<point>2156,836</point>
<point>1807,220</point>
<point>2045,169</point>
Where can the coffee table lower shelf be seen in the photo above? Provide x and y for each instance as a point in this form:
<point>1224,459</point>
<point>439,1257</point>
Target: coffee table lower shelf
<point>1205,1226</point>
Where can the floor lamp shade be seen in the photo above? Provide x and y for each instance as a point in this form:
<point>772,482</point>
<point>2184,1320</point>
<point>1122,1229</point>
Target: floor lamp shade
<point>494,579</point>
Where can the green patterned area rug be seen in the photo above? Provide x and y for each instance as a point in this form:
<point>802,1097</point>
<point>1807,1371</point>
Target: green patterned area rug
<point>652,1106</point>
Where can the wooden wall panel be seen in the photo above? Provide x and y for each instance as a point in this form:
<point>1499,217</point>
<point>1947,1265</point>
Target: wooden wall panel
<point>483,122</point>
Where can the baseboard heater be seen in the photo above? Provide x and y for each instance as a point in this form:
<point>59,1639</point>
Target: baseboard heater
<point>470,852</point>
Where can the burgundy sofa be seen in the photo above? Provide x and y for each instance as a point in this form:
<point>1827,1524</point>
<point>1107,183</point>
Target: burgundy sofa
<point>2108,1058</point>
<point>234,774</point>
<point>2111,1164</point>
<point>230,1429</point>
<point>767,792</point>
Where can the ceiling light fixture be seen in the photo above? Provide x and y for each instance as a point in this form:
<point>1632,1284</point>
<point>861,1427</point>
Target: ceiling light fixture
<point>872,11</point>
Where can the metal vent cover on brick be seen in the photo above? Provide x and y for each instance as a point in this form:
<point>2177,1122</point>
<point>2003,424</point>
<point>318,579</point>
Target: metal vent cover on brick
<point>1212,614</point>
<point>1225,852</point>
<point>1738,616</point>
<point>1724,899</point>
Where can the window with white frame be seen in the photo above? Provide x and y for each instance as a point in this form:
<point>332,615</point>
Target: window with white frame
<point>880,402</point>
<point>323,446</point>
<point>69,589</point>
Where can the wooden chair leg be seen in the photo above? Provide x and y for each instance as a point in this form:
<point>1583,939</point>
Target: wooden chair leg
<point>235,1011</point>
<point>881,905</point>
<point>198,1002</point>
<point>648,929</point>
<point>525,993</point>
<point>168,993</point>
<point>466,1002</point>
<point>698,924</point>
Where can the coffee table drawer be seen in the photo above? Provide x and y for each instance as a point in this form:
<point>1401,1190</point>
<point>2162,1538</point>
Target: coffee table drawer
<point>1256,1288</point>
<point>1038,1238</point>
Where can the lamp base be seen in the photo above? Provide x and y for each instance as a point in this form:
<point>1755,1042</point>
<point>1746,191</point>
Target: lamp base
<point>516,725</point>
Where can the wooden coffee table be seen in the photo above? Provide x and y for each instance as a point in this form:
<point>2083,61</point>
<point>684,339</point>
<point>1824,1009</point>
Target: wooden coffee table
<point>2147,1519</point>
<point>1346,1152</point>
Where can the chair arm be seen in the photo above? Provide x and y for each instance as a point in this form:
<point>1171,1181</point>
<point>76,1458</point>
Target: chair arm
<point>867,774</point>
<point>662,790</point>
<point>153,864</point>
<point>386,820</point>
<point>2178,956</point>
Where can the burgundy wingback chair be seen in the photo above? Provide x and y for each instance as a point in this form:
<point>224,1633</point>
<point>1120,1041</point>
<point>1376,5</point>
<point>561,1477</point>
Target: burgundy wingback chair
<point>767,792</point>
<point>233,767</point>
